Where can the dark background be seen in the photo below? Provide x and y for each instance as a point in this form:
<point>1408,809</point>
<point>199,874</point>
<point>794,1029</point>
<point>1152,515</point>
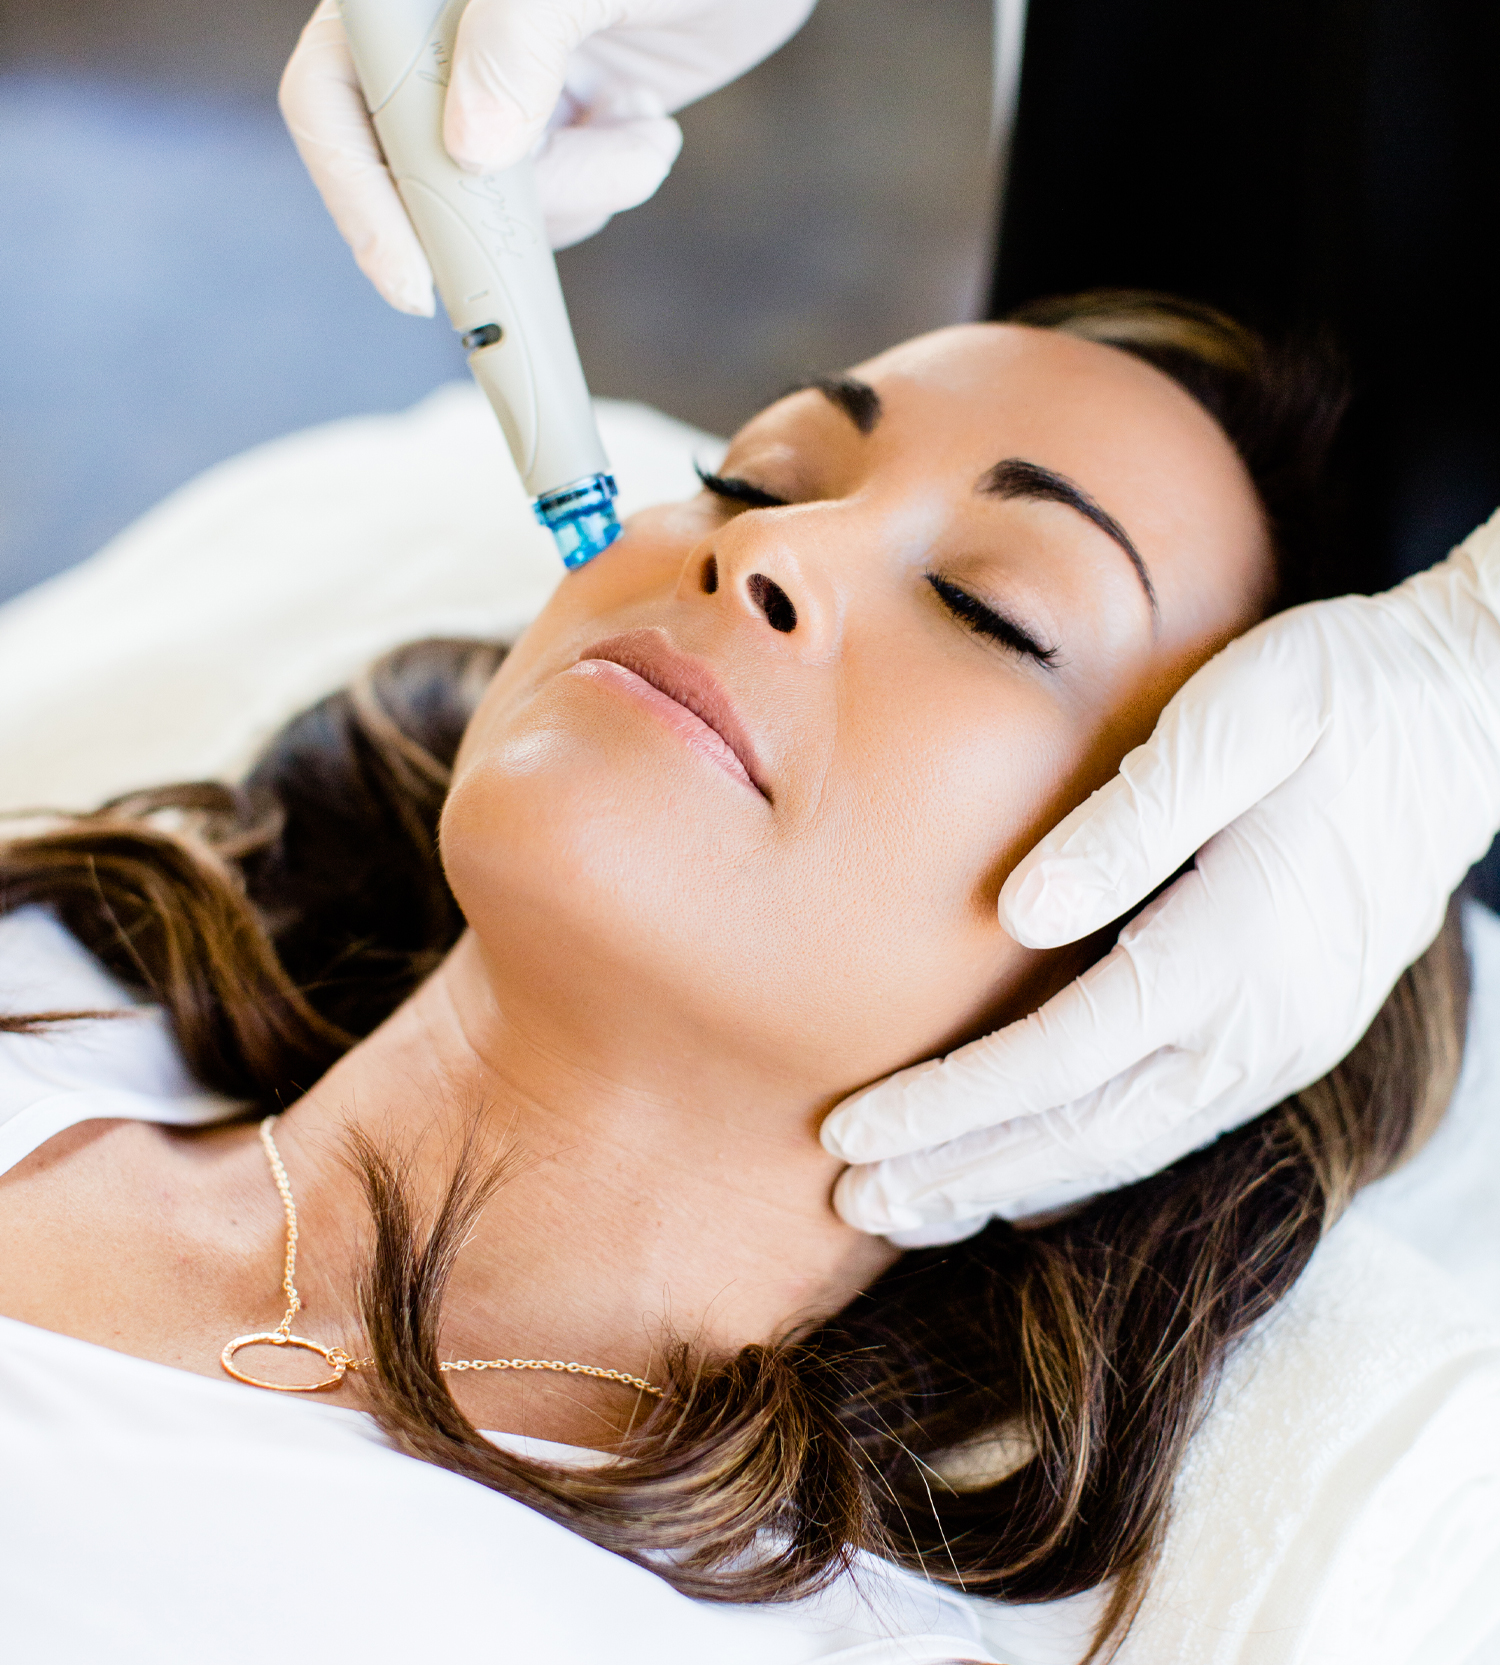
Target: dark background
<point>172,292</point>
<point>1312,166</point>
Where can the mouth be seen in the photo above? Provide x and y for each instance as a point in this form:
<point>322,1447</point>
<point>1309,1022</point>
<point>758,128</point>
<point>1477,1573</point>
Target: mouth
<point>684,694</point>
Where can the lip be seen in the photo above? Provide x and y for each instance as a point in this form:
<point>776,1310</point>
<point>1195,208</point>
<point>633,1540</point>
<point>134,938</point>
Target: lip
<point>688,698</point>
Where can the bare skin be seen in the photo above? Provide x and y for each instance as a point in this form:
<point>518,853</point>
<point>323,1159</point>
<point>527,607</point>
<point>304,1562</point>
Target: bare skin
<point>680,957</point>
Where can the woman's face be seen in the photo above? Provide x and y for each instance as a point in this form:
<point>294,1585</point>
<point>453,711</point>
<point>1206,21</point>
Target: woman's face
<point>924,610</point>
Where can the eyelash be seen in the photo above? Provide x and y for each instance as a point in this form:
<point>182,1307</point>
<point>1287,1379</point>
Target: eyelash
<point>967,609</point>
<point>732,489</point>
<point>984,621</point>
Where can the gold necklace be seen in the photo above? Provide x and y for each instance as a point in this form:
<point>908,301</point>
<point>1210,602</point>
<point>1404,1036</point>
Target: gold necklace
<point>338,1361</point>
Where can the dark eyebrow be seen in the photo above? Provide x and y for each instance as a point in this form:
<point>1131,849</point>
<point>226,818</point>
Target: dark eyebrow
<point>1015,477</point>
<point>858,400</point>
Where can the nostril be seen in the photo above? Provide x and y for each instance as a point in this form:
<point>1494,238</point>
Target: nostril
<point>708,579</point>
<point>773,601</point>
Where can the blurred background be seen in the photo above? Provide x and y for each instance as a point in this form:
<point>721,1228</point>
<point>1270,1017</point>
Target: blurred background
<point>172,291</point>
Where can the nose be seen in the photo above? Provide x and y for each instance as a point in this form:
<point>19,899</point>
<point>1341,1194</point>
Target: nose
<point>771,582</point>
<point>768,598</point>
<point>773,601</point>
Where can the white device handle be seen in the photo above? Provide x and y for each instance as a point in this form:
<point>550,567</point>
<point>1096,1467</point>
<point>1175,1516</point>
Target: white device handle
<point>485,239</point>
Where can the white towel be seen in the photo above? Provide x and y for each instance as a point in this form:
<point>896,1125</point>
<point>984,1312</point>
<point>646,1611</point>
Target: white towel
<point>1341,1501</point>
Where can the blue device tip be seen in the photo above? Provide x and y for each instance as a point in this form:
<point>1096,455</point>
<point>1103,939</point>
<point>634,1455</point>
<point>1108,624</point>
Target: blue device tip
<point>581,517</point>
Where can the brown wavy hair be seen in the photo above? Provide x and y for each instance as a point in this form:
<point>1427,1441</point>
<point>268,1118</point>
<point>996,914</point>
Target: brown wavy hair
<point>1008,1414</point>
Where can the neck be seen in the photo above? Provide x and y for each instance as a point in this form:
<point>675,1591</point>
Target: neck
<point>655,1190</point>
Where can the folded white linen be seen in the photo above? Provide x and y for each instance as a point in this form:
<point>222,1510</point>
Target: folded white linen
<point>1341,1500</point>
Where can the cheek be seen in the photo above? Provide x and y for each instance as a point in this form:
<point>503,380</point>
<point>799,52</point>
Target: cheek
<point>957,763</point>
<point>645,564</point>
<point>943,776</point>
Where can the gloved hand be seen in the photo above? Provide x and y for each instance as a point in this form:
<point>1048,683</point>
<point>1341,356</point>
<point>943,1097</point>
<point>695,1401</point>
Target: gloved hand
<point>592,80</point>
<point>1337,771</point>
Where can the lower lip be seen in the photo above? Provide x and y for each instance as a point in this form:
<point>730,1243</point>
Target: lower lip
<point>690,728</point>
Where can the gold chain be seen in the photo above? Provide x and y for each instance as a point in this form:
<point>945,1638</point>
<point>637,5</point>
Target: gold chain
<point>340,1362</point>
<point>289,1268</point>
<point>622,1376</point>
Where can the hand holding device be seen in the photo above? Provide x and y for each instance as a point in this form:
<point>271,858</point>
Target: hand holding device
<point>483,236</point>
<point>589,82</point>
<point>1337,771</point>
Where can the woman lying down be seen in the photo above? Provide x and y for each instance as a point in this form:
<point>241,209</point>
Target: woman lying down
<point>505,1000</point>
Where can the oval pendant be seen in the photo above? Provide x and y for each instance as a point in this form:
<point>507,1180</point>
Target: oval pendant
<point>335,1358</point>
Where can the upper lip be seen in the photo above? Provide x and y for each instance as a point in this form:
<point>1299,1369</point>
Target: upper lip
<point>688,681</point>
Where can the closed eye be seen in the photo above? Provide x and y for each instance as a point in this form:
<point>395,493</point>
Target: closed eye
<point>735,490</point>
<point>984,621</point>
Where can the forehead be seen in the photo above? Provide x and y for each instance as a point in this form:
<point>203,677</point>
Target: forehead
<point>991,383</point>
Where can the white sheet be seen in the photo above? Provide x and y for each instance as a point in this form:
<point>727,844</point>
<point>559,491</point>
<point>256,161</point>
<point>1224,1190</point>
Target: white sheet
<point>154,1517</point>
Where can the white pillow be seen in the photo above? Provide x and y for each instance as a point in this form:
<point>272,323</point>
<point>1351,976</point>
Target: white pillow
<point>270,579</point>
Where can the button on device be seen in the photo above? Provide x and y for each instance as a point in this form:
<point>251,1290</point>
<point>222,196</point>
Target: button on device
<point>485,336</point>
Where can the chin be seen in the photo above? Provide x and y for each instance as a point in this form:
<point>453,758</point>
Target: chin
<point>581,855</point>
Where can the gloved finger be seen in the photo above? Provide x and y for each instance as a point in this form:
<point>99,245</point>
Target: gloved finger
<point>325,113</point>
<point>510,60</point>
<point>1233,733</point>
<point>1138,1123</point>
<point>587,173</point>
<point>1097,1028</point>
<point>938,1195</point>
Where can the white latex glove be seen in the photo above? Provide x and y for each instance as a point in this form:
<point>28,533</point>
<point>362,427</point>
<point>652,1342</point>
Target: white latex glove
<point>1337,771</point>
<point>590,83</point>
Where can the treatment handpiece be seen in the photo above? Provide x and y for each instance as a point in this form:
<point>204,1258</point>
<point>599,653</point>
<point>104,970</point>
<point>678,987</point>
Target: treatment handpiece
<point>485,240</point>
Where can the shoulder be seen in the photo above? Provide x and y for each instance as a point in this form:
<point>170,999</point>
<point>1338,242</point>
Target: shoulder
<point>124,1067</point>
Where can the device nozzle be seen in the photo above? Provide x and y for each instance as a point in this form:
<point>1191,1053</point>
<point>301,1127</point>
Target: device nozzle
<point>581,517</point>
